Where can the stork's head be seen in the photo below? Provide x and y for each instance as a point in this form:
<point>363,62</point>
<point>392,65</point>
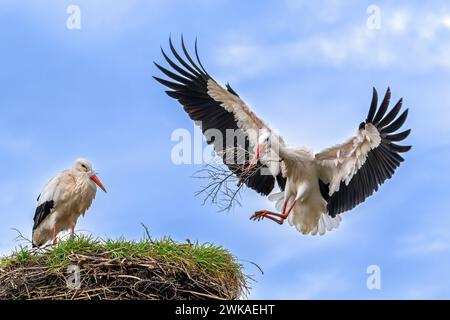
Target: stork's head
<point>264,139</point>
<point>82,165</point>
<point>268,142</point>
<point>85,167</point>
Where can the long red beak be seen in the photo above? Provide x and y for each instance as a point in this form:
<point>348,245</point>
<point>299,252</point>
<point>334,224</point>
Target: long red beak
<point>97,182</point>
<point>252,163</point>
<point>255,158</point>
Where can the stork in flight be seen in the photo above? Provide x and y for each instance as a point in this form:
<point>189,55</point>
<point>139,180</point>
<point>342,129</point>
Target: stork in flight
<point>63,199</point>
<point>316,187</point>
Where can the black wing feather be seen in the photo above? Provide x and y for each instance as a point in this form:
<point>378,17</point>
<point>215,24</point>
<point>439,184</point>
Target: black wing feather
<point>383,107</point>
<point>42,211</point>
<point>394,126</point>
<point>381,162</point>
<point>399,136</point>
<point>189,87</point>
<point>373,106</point>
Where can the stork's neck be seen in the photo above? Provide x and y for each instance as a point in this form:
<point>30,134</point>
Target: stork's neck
<point>84,183</point>
<point>295,154</point>
<point>279,149</point>
<point>278,146</point>
<point>286,153</point>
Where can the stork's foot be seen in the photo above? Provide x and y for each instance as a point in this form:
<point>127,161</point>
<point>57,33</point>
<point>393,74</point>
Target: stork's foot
<point>276,217</point>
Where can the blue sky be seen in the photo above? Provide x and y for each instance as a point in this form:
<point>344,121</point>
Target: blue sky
<point>305,67</point>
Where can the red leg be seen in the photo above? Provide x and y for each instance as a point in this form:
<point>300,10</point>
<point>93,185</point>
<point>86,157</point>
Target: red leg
<point>55,241</point>
<point>259,215</point>
<point>286,213</point>
<point>72,232</point>
<point>285,205</point>
<point>271,215</point>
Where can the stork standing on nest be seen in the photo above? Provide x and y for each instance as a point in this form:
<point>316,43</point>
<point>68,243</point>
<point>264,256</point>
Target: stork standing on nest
<point>316,187</point>
<point>63,199</point>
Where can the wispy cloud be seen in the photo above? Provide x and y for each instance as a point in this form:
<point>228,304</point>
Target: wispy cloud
<point>407,39</point>
<point>305,286</point>
<point>426,243</point>
<point>310,67</point>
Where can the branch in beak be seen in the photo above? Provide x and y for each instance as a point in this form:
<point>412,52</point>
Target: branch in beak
<point>97,182</point>
<point>255,158</point>
<point>252,163</point>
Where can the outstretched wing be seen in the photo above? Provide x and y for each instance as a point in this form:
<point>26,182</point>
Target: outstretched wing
<point>352,171</point>
<point>226,121</point>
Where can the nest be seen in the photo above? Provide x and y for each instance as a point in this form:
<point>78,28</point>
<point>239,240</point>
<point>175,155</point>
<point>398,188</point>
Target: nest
<point>105,275</point>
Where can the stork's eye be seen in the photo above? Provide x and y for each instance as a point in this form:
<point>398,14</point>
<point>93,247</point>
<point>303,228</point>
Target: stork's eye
<point>84,166</point>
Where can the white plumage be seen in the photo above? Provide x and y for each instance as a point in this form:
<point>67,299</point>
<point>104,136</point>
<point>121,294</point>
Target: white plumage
<point>63,199</point>
<point>316,187</point>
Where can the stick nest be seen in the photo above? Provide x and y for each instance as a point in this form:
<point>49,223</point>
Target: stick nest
<point>121,270</point>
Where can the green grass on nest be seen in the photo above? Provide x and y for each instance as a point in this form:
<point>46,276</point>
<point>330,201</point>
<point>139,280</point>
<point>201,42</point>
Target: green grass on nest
<point>208,256</point>
<point>195,260</point>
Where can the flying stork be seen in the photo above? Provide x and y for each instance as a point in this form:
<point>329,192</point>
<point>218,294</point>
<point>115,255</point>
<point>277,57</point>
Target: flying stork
<point>315,187</point>
<point>63,199</point>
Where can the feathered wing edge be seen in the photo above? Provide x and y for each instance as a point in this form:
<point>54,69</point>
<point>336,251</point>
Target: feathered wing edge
<point>215,108</point>
<point>355,169</point>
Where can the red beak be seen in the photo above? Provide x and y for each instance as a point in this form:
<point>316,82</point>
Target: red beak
<point>252,163</point>
<point>255,158</point>
<point>97,182</point>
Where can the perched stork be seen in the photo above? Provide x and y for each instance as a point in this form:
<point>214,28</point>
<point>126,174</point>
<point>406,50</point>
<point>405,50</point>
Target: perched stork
<point>63,199</point>
<point>316,187</point>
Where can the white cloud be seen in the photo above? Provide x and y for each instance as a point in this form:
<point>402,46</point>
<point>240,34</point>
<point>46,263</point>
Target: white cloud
<point>429,283</point>
<point>316,285</point>
<point>407,39</point>
<point>446,21</point>
<point>426,243</point>
<point>399,21</point>
<point>357,45</point>
<point>327,11</point>
<point>429,236</point>
<point>101,20</point>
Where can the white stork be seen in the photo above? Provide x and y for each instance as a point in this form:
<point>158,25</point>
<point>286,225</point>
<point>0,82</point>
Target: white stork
<point>316,187</point>
<point>63,199</point>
